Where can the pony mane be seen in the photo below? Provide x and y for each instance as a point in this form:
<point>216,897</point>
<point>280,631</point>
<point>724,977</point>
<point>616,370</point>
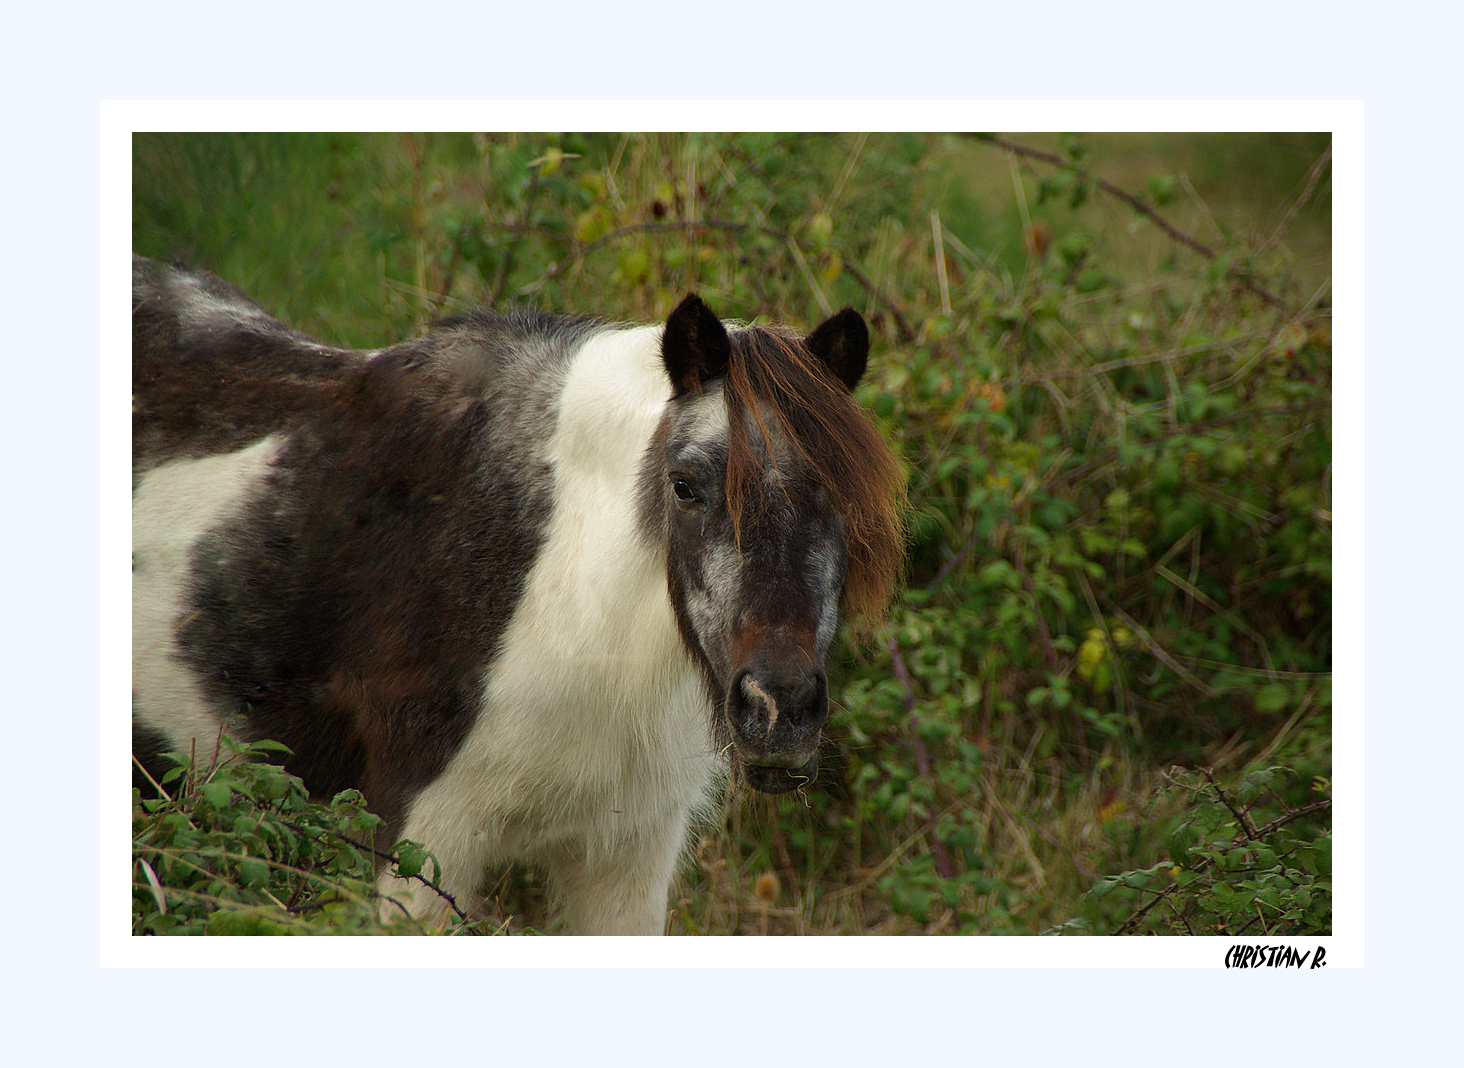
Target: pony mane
<point>775,383</point>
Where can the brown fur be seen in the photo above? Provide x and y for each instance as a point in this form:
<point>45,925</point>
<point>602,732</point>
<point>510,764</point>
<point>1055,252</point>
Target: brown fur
<point>791,395</point>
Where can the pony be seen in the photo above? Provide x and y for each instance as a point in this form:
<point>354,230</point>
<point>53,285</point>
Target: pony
<point>535,584</point>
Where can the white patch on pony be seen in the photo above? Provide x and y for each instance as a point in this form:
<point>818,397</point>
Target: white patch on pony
<point>199,311</point>
<point>176,504</point>
<point>593,747</point>
<point>828,583</point>
<point>707,415</point>
<point>710,607</point>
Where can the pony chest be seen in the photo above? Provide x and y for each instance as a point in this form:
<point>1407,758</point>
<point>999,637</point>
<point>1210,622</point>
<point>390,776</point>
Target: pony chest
<point>591,707</point>
<point>590,664</point>
<point>570,755</point>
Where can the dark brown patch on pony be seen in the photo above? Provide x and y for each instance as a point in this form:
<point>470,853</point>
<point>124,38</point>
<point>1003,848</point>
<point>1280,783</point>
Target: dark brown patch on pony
<point>353,606</point>
<point>349,611</point>
<point>775,383</point>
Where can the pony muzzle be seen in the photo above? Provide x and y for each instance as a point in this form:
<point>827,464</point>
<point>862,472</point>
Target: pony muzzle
<point>775,726</point>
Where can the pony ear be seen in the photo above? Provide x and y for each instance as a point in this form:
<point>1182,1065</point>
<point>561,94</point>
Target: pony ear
<point>695,346</point>
<point>842,343</point>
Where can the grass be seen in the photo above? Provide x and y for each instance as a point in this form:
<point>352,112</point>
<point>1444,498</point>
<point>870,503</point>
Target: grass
<point>1119,449</point>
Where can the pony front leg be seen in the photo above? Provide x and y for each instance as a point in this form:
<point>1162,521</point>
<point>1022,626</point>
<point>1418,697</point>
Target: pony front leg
<point>623,889</point>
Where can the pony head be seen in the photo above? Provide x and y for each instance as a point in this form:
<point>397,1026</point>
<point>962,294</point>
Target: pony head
<point>781,505</point>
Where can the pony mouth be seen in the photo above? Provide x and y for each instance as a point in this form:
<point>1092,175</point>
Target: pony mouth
<point>770,779</point>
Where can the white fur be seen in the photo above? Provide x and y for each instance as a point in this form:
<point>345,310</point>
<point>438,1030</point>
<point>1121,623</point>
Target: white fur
<point>829,584</point>
<point>174,505</point>
<point>707,415</point>
<point>201,314</point>
<point>593,746</point>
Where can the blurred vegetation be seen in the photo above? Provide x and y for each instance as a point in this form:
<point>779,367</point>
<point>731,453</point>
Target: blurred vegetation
<point>1101,703</point>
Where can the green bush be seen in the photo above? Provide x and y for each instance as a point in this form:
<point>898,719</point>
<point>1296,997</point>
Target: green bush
<point>236,847</point>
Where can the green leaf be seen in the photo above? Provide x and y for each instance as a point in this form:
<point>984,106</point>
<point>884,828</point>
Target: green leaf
<point>410,858</point>
<point>1162,187</point>
<point>267,746</point>
<point>217,794</point>
<point>253,873</point>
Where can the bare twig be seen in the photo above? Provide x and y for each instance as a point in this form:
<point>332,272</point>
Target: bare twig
<point>1312,177</point>
<point>1240,819</point>
<point>1054,160</point>
<point>450,275</point>
<point>495,293</point>
<point>940,264</point>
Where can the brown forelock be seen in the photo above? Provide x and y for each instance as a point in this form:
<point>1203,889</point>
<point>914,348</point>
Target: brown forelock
<point>790,396</point>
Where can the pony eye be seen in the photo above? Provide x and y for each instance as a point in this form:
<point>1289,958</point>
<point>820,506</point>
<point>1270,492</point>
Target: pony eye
<point>684,493</point>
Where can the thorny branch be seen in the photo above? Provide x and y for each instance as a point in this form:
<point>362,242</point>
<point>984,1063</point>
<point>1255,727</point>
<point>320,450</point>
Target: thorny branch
<point>382,855</point>
<point>1290,816</point>
<point>1240,819</point>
